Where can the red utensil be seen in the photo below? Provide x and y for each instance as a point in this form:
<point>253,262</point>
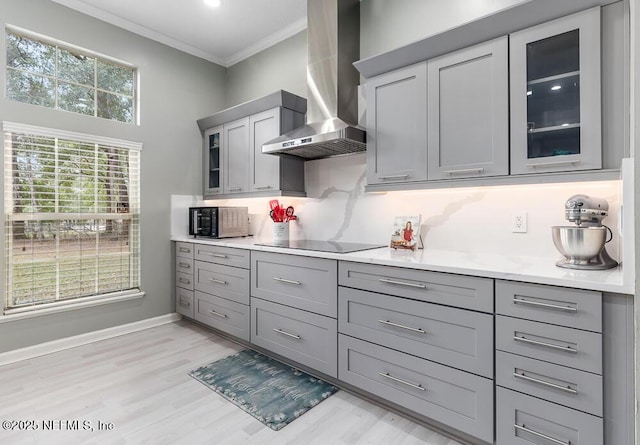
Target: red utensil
<point>289,213</point>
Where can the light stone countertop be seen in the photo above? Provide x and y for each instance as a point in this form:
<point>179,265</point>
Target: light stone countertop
<point>511,267</point>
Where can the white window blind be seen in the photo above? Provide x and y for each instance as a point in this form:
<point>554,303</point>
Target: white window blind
<point>72,206</point>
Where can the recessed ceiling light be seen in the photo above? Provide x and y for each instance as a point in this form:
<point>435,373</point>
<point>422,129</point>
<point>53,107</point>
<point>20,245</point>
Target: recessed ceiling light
<point>212,3</point>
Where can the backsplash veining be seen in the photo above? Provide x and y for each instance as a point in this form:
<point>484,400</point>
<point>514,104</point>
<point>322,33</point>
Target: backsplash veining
<point>470,220</point>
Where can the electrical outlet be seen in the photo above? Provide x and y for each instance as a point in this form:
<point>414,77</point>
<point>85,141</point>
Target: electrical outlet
<point>519,222</point>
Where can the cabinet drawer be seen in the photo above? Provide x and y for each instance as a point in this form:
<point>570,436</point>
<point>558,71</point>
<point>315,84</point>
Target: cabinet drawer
<point>222,255</point>
<point>580,309</point>
<point>453,290</point>
<point>525,420</point>
<point>455,337</point>
<point>184,250</point>
<point>461,400</point>
<point>184,280</point>
<point>555,344</point>
<point>184,265</point>
<point>222,314</point>
<point>307,338</point>
<point>184,302</point>
<point>227,282</point>
<point>301,282</point>
<point>566,386</point>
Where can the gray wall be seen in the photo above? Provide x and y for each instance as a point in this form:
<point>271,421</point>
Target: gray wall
<point>280,67</point>
<point>175,90</point>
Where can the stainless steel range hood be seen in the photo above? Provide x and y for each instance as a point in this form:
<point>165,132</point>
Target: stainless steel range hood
<point>333,29</point>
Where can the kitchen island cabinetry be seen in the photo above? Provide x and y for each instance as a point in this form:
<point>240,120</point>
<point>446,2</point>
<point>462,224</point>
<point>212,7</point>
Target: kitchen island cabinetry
<point>234,165</point>
<point>555,95</point>
<point>468,114</point>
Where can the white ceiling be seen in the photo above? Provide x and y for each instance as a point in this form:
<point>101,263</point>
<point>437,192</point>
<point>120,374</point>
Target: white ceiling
<point>224,35</point>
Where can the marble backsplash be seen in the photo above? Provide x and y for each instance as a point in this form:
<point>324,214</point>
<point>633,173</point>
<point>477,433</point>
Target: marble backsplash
<point>469,220</point>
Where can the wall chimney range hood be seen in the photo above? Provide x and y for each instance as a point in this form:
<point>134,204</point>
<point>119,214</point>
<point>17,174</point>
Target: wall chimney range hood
<point>333,29</point>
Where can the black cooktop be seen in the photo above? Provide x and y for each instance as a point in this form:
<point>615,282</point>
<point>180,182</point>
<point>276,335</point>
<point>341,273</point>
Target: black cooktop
<point>321,246</point>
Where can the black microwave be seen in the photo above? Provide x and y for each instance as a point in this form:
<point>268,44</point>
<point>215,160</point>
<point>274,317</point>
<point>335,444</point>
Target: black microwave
<point>218,222</point>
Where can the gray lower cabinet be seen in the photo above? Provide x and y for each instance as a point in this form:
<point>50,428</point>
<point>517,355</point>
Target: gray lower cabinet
<point>302,282</point>
<point>453,290</point>
<point>461,400</point>
<point>227,282</point>
<point>184,302</point>
<point>397,126</point>
<point>226,256</point>
<point>526,420</point>
<point>454,337</point>
<point>223,314</point>
<point>306,338</point>
<point>184,279</point>
<point>468,112</point>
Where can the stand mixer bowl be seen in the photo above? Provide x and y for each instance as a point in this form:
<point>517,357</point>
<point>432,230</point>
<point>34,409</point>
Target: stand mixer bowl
<point>579,244</point>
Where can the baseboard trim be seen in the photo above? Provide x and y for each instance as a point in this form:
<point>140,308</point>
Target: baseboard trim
<point>84,339</point>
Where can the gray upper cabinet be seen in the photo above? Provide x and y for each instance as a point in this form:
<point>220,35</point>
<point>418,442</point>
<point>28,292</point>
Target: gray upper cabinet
<point>556,95</point>
<point>235,147</point>
<point>468,110</point>
<point>397,126</point>
<point>233,162</point>
<point>212,161</point>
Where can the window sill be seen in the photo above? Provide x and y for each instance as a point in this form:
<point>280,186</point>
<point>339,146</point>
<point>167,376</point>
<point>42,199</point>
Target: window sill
<point>55,308</point>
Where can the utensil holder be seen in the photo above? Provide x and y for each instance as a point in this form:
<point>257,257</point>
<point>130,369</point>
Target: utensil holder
<point>281,231</point>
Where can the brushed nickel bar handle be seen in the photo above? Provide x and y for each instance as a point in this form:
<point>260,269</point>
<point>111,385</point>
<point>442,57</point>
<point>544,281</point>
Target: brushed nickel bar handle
<point>408,328</point>
<point>386,375</point>
<point>552,164</point>
<point>185,265</point>
<point>184,281</point>
<point>547,305</point>
<point>547,345</point>
<point>464,170</point>
<point>523,376</point>
<point>218,314</point>
<point>543,436</point>
<point>185,304</point>
<point>284,280</point>
<point>235,189</point>
<point>184,250</point>
<point>218,255</point>
<point>394,177</point>
<point>213,280</point>
<point>263,187</point>
<point>402,283</point>
<point>280,331</point>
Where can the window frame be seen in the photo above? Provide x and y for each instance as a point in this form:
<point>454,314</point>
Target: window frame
<point>133,214</point>
<point>56,43</point>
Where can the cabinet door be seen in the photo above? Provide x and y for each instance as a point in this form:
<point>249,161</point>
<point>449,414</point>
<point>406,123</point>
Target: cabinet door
<point>236,156</point>
<point>468,111</point>
<point>212,161</point>
<point>264,169</point>
<point>555,95</point>
<point>397,126</point>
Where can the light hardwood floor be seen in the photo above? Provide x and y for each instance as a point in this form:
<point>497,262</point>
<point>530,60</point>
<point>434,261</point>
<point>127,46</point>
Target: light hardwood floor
<point>139,383</point>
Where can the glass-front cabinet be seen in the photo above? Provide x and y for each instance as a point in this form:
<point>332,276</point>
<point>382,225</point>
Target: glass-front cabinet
<point>212,161</point>
<point>555,95</point>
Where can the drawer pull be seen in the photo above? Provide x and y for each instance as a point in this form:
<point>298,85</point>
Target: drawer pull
<point>280,331</point>
<point>523,376</point>
<point>218,314</point>
<point>382,178</point>
<point>263,187</point>
<point>408,328</point>
<point>543,436</point>
<point>547,305</point>
<point>552,164</point>
<point>213,280</point>
<point>547,345</point>
<point>184,281</point>
<point>235,189</point>
<point>283,280</point>
<point>464,171</point>
<point>218,255</point>
<point>185,265</point>
<point>404,382</point>
<point>402,283</point>
<point>185,303</point>
<point>184,250</point>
